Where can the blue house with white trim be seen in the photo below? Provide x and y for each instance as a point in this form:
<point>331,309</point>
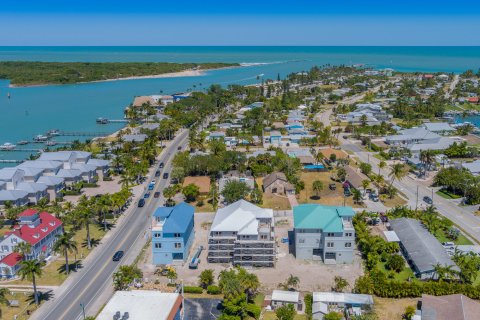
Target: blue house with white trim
<point>172,233</point>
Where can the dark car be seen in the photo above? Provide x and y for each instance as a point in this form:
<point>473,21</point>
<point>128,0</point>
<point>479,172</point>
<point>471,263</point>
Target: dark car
<point>332,186</point>
<point>141,203</point>
<point>161,165</point>
<point>118,255</point>
<point>146,195</point>
<point>428,200</point>
<point>156,194</point>
<point>157,173</point>
<point>165,175</point>
<point>179,148</point>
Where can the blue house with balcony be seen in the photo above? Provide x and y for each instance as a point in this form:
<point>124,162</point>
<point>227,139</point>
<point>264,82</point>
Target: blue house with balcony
<point>172,233</point>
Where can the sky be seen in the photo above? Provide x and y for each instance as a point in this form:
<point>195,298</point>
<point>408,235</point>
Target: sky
<point>239,22</point>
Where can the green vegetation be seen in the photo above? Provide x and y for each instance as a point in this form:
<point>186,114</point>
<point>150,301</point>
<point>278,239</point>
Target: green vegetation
<point>459,182</point>
<point>36,73</point>
<point>125,276</point>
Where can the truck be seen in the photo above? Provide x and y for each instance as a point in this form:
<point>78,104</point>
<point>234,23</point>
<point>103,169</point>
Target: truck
<point>195,259</point>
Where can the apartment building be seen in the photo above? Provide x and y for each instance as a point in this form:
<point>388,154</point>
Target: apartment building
<point>242,234</point>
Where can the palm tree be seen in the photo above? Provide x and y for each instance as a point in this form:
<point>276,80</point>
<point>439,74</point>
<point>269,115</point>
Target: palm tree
<point>381,166</point>
<point>30,269</point>
<point>65,244</point>
<point>317,187</point>
<point>292,281</point>
<point>24,248</point>
<point>365,184</point>
<point>3,298</point>
<point>85,216</point>
<point>398,172</point>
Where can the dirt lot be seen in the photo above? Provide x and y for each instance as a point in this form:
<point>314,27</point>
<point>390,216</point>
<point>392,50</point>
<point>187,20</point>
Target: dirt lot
<point>392,309</point>
<point>314,276</point>
<point>328,151</point>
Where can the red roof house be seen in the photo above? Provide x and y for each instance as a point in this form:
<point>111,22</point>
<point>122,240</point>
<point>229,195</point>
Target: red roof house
<point>35,226</point>
<point>473,100</point>
<point>12,259</point>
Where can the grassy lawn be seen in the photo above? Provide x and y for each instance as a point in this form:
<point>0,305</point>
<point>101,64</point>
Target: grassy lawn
<point>327,196</point>
<point>206,207</point>
<point>395,201</point>
<point>447,195</point>
<point>259,299</point>
<point>96,234</point>
<point>25,301</point>
<point>401,276</point>
<point>53,274</point>
<point>270,315</point>
<point>392,309</point>
<point>461,240</point>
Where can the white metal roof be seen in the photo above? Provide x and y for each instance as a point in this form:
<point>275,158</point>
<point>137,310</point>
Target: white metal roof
<point>391,236</point>
<point>285,296</point>
<point>240,216</point>
<point>140,304</point>
<point>340,297</point>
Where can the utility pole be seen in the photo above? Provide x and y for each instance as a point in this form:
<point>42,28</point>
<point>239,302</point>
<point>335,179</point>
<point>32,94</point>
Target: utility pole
<point>432,196</point>
<point>416,201</point>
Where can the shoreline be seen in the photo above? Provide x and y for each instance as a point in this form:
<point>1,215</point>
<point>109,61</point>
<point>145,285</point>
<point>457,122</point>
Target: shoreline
<point>179,74</point>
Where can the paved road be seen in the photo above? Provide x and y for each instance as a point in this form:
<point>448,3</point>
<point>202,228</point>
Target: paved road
<point>452,86</point>
<point>97,275</point>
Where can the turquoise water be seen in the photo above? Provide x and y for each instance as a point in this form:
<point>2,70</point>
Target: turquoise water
<point>35,110</point>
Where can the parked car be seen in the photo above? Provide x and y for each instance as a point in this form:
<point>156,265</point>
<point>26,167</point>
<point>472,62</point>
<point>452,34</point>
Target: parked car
<point>179,148</point>
<point>428,200</point>
<point>151,186</point>
<point>161,165</point>
<point>141,203</point>
<point>448,244</point>
<point>146,195</point>
<point>347,192</point>
<point>157,173</point>
<point>165,175</point>
<point>332,186</point>
<point>118,255</point>
<point>156,195</point>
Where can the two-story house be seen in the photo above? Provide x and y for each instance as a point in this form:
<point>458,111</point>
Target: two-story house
<point>172,233</point>
<point>324,233</point>
<point>39,229</point>
<point>242,234</point>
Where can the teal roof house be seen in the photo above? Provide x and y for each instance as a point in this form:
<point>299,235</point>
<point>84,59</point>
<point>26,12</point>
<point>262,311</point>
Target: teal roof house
<point>324,233</point>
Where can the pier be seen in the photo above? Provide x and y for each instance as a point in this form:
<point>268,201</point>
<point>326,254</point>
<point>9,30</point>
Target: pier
<point>22,150</point>
<point>107,121</point>
<point>11,161</point>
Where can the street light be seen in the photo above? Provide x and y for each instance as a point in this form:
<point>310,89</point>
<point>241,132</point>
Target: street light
<point>83,310</point>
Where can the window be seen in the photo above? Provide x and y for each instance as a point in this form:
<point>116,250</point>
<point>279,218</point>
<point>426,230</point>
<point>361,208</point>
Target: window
<point>301,240</point>
<point>348,244</point>
<point>348,234</point>
<point>178,245</point>
<point>330,234</point>
<point>330,244</point>
<point>177,235</point>
<point>158,245</point>
<point>157,235</point>
<point>14,240</point>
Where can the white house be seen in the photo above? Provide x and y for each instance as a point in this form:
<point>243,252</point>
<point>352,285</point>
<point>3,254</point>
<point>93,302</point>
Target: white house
<point>281,298</point>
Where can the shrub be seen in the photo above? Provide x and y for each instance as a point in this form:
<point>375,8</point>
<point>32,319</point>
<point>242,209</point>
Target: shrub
<point>395,262</point>
<point>213,290</point>
<point>192,289</point>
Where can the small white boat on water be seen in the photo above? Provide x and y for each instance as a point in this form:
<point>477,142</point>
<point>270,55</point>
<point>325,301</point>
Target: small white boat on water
<point>7,146</point>
<point>40,138</point>
<point>22,142</point>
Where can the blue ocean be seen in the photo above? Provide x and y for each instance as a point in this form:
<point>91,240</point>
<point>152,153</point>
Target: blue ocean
<point>34,110</point>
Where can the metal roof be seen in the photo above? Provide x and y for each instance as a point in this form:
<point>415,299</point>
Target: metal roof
<point>340,297</point>
<point>178,218</point>
<point>285,296</point>
<point>316,216</point>
<point>423,249</point>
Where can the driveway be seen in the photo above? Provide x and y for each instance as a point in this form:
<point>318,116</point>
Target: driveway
<point>202,309</point>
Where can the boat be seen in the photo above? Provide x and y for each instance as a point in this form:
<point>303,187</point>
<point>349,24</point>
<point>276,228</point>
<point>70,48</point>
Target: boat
<point>102,120</point>
<point>7,146</point>
<point>22,142</point>
<point>51,143</point>
<point>54,132</point>
<point>40,138</point>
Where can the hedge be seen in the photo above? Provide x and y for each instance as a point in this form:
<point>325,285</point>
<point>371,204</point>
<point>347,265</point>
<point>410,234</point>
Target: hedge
<point>213,290</point>
<point>192,289</point>
<point>376,283</point>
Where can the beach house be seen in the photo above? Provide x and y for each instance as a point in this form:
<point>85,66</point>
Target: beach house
<point>242,234</point>
<point>172,233</point>
<point>324,233</point>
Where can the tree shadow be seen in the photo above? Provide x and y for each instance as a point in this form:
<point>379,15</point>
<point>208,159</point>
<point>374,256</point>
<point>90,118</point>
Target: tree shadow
<point>42,296</point>
<point>94,242</point>
<point>72,267</point>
